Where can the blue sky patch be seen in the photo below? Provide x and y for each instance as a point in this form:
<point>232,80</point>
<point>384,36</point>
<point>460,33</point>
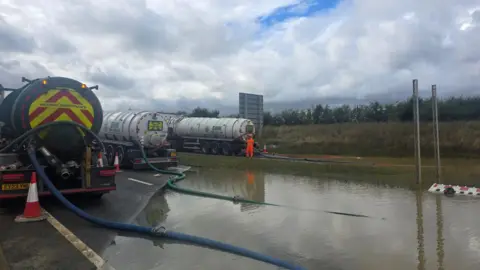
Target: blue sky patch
<point>303,8</point>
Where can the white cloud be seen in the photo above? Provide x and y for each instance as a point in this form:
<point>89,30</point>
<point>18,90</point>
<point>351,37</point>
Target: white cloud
<point>180,53</point>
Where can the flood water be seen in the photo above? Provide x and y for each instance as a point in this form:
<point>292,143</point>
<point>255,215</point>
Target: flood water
<point>420,230</point>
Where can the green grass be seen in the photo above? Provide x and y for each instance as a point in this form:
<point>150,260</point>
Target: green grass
<point>457,139</point>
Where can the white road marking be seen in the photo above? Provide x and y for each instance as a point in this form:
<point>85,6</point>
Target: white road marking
<point>91,255</point>
<point>157,175</point>
<point>141,182</point>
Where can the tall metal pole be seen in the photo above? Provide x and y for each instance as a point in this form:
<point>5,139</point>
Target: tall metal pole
<point>416,123</point>
<point>436,142</point>
<point>420,231</point>
<point>440,239</point>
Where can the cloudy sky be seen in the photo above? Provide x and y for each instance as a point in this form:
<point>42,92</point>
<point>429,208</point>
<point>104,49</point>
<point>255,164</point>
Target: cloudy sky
<point>176,54</point>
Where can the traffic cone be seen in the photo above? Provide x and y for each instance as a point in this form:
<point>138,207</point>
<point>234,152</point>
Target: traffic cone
<point>99,160</point>
<point>116,164</point>
<point>265,149</point>
<point>32,211</point>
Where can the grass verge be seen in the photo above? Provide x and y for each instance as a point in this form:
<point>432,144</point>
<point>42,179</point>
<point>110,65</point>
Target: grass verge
<point>457,139</point>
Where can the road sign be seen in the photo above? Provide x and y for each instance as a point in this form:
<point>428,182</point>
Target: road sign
<point>251,107</point>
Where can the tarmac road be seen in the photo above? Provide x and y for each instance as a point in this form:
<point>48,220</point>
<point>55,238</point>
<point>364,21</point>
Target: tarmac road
<point>134,189</point>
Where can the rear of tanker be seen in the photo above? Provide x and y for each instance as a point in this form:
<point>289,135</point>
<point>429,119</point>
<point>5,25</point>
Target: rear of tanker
<point>123,132</point>
<point>67,153</point>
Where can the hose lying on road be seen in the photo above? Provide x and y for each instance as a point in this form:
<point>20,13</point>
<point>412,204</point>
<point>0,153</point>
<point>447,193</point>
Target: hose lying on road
<point>171,184</point>
<point>155,232</point>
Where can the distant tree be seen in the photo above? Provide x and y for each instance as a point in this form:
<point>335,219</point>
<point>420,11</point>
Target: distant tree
<point>204,112</point>
<point>450,109</point>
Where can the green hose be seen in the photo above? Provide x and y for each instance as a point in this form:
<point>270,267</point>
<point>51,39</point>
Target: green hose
<point>177,177</point>
<point>181,176</point>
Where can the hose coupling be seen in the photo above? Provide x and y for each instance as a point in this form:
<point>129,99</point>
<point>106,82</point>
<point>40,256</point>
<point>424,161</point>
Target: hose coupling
<point>159,230</point>
<point>237,199</point>
<point>65,173</point>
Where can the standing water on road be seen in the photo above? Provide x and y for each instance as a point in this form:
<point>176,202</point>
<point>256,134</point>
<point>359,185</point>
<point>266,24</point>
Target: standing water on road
<point>440,233</point>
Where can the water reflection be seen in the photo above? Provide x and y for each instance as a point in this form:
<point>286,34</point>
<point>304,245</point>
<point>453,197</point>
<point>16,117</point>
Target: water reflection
<point>155,213</point>
<point>246,184</point>
<point>421,231</point>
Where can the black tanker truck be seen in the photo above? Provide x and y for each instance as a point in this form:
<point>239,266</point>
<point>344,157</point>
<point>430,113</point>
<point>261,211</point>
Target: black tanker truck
<point>68,153</point>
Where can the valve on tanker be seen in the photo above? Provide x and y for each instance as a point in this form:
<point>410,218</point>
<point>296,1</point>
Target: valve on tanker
<point>66,170</point>
<point>51,159</point>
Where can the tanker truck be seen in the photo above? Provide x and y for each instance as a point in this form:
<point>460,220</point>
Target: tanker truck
<point>162,135</point>
<point>67,153</point>
<point>217,136</point>
<point>123,133</point>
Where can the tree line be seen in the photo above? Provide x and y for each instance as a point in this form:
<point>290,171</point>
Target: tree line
<point>450,109</point>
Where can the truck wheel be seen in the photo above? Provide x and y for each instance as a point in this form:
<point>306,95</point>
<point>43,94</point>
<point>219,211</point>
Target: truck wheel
<point>121,154</point>
<point>110,154</point>
<point>226,149</point>
<point>215,148</point>
<point>96,195</point>
<point>205,148</point>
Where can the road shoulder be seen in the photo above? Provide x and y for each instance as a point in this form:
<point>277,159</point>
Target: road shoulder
<point>3,262</point>
<point>37,245</point>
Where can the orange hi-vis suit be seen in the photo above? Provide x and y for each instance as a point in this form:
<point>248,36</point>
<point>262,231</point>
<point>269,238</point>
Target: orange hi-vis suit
<point>249,150</point>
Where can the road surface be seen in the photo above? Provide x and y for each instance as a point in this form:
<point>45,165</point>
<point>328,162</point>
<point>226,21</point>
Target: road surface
<point>40,245</point>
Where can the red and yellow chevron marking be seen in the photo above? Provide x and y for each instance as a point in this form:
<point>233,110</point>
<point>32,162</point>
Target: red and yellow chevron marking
<point>61,105</point>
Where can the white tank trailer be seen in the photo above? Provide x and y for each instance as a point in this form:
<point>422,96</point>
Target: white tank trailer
<point>225,136</point>
<point>157,131</point>
<point>122,130</point>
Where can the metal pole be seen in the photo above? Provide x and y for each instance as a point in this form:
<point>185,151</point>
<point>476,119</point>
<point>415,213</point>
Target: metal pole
<point>416,123</point>
<point>420,231</point>
<point>436,143</point>
<point>440,239</point>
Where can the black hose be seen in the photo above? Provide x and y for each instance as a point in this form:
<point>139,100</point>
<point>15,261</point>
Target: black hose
<point>157,232</point>
<point>23,137</point>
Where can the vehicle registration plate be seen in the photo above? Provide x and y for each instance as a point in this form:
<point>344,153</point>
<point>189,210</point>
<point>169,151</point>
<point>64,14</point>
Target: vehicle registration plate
<point>15,186</point>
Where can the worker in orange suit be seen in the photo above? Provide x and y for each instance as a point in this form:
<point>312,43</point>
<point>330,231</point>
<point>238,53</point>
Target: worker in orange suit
<point>249,150</point>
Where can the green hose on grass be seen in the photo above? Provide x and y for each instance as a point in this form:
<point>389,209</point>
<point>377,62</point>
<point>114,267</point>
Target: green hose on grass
<point>177,177</point>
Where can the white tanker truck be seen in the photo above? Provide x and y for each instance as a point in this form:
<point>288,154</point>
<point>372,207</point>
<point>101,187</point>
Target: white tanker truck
<point>217,136</point>
<point>163,134</point>
<point>122,131</point>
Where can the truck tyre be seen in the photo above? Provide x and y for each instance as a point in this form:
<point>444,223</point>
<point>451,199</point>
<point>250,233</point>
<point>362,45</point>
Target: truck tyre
<point>121,154</point>
<point>226,149</point>
<point>110,154</point>
<point>215,148</point>
<point>205,148</point>
<point>96,195</point>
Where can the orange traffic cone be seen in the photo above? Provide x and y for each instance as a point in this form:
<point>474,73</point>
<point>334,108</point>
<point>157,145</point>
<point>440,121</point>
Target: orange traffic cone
<point>33,211</point>
<point>265,149</point>
<point>116,164</point>
<point>99,160</point>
